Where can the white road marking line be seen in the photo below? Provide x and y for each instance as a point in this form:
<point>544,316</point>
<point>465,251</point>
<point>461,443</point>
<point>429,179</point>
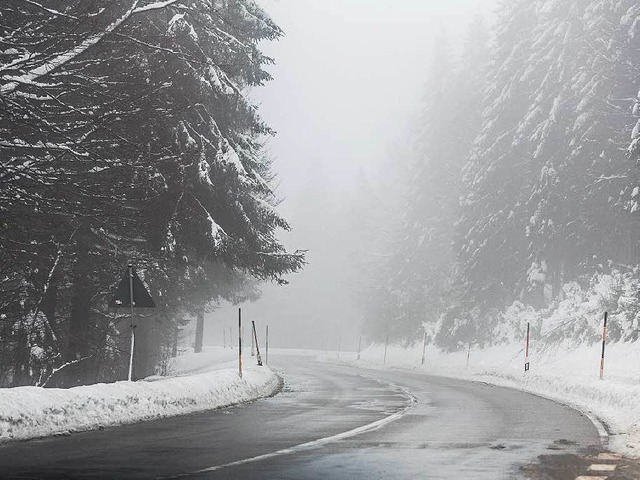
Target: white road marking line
<point>589,477</point>
<point>601,467</point>
<point>609,456</point>
<point>320,442</point>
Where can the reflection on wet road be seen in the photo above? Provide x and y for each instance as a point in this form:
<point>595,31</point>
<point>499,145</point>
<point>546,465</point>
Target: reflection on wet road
<point>330,421</point>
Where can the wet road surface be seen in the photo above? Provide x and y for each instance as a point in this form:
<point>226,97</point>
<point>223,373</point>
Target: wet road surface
<point>332,421</point>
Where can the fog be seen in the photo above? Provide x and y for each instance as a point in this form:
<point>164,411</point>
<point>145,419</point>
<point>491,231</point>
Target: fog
<point>348,80</point>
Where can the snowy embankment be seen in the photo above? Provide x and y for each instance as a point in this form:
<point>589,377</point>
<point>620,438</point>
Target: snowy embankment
<point>199,382</point>
<point>570,376</point>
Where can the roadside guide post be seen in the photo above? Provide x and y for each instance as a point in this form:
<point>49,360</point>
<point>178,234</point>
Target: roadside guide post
<point>424,345</point>
<point>266,355</point>
<point>468,355</point>
<point>604,338</point>
<point>526,350</point>
<point>240,342</point>
<point>254,338</point>
<point>386,342</point>
<point>359,346</point>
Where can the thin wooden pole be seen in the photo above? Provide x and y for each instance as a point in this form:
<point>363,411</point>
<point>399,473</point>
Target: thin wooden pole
<point>424,346</point>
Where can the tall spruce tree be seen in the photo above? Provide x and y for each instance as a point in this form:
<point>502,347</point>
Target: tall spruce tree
<point>543,182</point>
<point>127,136</point>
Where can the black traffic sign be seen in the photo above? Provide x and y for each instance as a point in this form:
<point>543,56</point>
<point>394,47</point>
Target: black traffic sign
<point>141,297</point>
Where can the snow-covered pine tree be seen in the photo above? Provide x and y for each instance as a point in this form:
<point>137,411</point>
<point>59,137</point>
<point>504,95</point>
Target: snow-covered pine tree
<point>546,174</point>
<point>498,171</point>
<point>138,142</point>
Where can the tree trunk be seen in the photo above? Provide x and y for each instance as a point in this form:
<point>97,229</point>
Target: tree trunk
<point>199,330</point>
<point>78,345</point>
<point>174,343</point>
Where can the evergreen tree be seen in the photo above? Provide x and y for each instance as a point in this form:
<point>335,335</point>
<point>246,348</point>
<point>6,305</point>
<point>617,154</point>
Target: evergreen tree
<point>127,136</point>
<point>543,180</point>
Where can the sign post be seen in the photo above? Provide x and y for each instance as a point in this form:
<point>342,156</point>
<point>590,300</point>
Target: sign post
<point>132,292</point>
<point>133,335</point>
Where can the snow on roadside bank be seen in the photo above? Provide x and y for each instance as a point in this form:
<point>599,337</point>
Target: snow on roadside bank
<point>569,376</point>
<point>29,412</point>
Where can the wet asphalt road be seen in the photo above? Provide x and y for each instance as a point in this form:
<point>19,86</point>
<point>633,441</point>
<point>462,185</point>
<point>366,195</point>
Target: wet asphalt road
<point>437,428</point>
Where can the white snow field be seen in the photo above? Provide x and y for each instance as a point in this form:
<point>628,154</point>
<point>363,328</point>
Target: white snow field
<point>198,382</point>
<point>570,376</point>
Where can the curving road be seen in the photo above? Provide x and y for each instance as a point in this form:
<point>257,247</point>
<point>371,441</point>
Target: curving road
<point>330,422</point>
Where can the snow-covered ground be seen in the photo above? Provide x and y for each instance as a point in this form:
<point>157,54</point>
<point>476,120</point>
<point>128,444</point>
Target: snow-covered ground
<point>197,382</point>
<point>568,375</point>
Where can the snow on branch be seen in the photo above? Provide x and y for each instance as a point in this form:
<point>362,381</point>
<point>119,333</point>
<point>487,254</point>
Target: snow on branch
<point>61,367</point>
<point>41,145</point>
<point>155,6</point>
<point>50,10</point>
<point>61,59</point>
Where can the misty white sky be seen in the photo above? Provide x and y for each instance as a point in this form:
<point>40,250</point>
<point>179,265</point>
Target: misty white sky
<point>348,79</point>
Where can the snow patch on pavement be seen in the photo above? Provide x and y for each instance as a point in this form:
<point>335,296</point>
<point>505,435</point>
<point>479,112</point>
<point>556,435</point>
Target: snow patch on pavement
<point>199,382</point>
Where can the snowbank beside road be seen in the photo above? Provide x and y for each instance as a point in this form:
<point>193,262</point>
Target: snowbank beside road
<point>28,412</point>
<point>570,376</point>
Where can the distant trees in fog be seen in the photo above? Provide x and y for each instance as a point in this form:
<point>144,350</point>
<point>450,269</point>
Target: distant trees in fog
<point>126,136</point>
<point>522,178</point>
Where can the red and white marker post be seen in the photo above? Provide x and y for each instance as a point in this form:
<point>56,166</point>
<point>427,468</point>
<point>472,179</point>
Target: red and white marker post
<point>240,342</point>
<point>526,350</point>
<point>386,343</point>
<point>604,339</point>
